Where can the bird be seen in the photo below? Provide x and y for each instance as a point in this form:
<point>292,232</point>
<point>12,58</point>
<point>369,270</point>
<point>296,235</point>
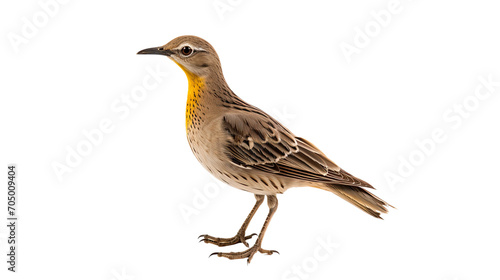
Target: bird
<point>246,148</point>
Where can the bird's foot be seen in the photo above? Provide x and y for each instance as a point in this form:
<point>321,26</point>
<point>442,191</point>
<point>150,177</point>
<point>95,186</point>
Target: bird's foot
<point>248,254</point>
<point>221,242</point>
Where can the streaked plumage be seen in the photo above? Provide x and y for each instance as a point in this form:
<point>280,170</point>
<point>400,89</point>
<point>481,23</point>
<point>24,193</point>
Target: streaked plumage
<point>248,149</point>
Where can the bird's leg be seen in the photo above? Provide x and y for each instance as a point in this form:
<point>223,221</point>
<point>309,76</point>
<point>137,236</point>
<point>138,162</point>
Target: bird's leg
<point>272,201</point>
<point>240,236</point>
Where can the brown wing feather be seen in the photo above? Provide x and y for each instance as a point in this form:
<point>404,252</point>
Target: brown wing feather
<point>258,141</point>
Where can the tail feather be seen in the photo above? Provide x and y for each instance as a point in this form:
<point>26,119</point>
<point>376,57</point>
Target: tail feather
<point>361,198</point>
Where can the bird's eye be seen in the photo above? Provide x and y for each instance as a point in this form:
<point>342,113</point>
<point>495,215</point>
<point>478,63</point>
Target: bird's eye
<point>186,50</point>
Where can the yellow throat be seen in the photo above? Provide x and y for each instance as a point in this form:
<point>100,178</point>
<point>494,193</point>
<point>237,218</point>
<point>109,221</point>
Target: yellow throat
<point>195,87</point>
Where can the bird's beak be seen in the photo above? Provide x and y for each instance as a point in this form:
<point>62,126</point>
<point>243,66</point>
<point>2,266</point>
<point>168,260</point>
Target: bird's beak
<point>157,50</point>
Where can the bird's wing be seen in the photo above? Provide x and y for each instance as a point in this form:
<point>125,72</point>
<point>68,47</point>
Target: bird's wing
<point>256,140</point>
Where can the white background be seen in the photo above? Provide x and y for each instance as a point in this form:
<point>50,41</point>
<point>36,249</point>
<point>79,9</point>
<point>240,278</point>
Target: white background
<point>117,214</point>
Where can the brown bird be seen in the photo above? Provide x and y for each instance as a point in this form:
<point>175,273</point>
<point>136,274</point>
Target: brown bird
<point>246,148</point>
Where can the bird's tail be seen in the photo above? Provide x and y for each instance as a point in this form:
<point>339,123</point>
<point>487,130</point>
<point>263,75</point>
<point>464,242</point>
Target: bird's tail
<point>360,197</point>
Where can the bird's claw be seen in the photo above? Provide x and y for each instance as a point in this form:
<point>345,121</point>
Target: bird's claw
<point>248,254</point>
<point>221,242</point>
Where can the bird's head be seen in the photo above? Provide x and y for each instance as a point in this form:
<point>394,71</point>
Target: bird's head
<point>194,55</point>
